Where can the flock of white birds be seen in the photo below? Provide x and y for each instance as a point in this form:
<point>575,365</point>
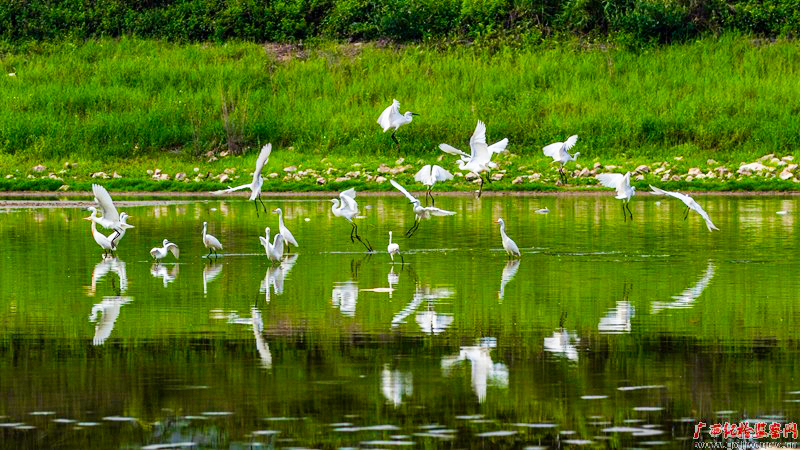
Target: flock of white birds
<point>478,161</point>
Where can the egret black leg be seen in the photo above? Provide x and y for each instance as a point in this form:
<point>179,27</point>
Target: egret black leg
<point>256,205</point>
<point>686,214</point>
<point>394,138</point>
<point>624,214</point>
<point>262,203</point>
<point>288,249</point>
<point>480,190</point>
<point>209,253</point>
<point>413,229</point>
<point>353,232</point>
<point>433,201</point>
<point>628,205</point>
<point>402,261</point>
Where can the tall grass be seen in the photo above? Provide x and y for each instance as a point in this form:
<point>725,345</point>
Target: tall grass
<point>727,99</point>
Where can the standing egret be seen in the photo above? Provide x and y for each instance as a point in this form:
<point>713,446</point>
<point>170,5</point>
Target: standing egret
<point>111,218</point>
<point>274,250</point>
<point>117,235</point>
<point>258,180</point>
<point>102,240</point>
<point>287,235</point>
<point>211,243</point>
<point>510,247</point>
<point>346,207</point>
<point>394,249</point>
<point>559,153</point>
<point>430,175</point>
<point>622,183</point>
<point>480,159</point>
<point>690,204</point>
<point>421,212</point>
<point>391,118</point>
<point>159,253</point>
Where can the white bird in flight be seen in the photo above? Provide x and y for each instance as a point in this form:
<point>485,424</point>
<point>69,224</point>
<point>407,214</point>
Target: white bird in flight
<point>559,151</point>
<point>622,183</point>
<point>159,253</point>
<point>508,245</point>
<point>346,207</point>
<point>429,176</point>
<point>391,118</point>
<point>690,204</point>
<point>111,218</point>
<point>287,235</point>
<point>421,212</point>
<point>480,159</point>
<point>275,249</point>
<point>210,242</point>
<point>258,180</point>
<point>394,249</point>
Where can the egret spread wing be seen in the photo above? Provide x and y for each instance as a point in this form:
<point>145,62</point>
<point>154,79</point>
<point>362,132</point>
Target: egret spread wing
<point>348,197</point>
<point>477,143</point>
<point>263,157</point>
<point>174,249</point>
<point>424,175</point>
<point>277,246</point>
<point>499,146</point>
<point>388,116</point>
<point>610,180</point>
<point>103,199</point>
<point>404,191</point>
<point>438,212</point>
<point>570,142</point>
<point>264,242</point>
<point>684,198</point>
<point>225,191</point>
<point>709,224</point>
<point>440,174</point>
<point>453,151</point>
<point>553,150</point>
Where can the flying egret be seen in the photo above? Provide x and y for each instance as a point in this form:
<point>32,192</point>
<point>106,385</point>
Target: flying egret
<point>211,243</point>
<point>394,249</point>
<point>690,204</point>
<point>421,212</point>
<point>480,159</point>
<point>510,247</point>
<point>102,240</point>
<point>159,253</point>
<point>622,183</point>
<point>288,239</point>
<point>391,118</point>
<point>429,176</point>
<point>111,218</point>
<point>560,154</point>
<point>346,207</point>
<point>258,180</point>
<point>275,249</point>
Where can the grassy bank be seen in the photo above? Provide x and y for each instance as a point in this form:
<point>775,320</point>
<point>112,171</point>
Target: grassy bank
<point>129,106</point>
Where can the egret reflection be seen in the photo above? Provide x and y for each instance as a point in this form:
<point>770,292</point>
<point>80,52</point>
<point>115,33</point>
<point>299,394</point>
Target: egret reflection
<point>257,325</point>
<point>210,271</point>
<point>395,385</point>
<point>508,274</point>
<point>159,270</point>
<point>429,321</point>
<point>101,269</point>
<point>563,343</point>
<point>618,320</point>
<point>344,297</point>
<point>686,298</point>
<point>484,371</point>
<point>276,276</point>
<point>108,309</point>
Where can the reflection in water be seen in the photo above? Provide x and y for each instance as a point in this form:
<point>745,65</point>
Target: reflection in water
<point>618,320</point>
<point>344,297</point>
<point>396,384</point>
<point>109,308</point>
<point>508,274</point>
<point>431,323</point>
<point>210,271</point>
<point>484,371</point>
<point>109,264</point>
<point>159,270</point>
<point>686,298</point>
<point>428,321</point>
<point>276,276</point>
<point>563,343</point>
<point>261,344</point>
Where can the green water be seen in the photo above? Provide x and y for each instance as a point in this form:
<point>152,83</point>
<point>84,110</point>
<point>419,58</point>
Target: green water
<point>651,325</point>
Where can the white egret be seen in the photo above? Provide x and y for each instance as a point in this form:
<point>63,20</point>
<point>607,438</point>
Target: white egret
<point>391,118</point>
<point>480,159</point>
<point>102,240</point>
<point>542,211</point>
<point>429,176</point>
<point>394,249</point>
<point>560,154</point>
<point>510,246</point>
<point>117,235</point>
<point>111,218</point>
<point>346,207</point>
<point>690,204</point>
<point>210,242</point>
<point>622,183</point>
<point>288,239</point>
<point>274,250</point>
<point>258,180</point>
<point>159,253</point>
<point>421,212</point>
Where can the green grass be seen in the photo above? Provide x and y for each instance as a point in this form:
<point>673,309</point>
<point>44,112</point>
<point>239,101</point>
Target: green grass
<point>130,105</point>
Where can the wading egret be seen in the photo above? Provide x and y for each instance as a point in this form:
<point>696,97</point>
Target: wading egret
<point>622,183</point>
<point>394,249</point>
<point>429,176</point>
<point>287,235</point>
<point>480,159</point>
<point>117,235</point>
<point>102,240</point>
<point>258,180</point>
<point>275,249</point>
<point>508,245</point>
<point>159,253</point>
<point>346,207</point>
<point>211,243</point>
<point>560,154</point>
<point>690,204</point>
<point>391,118</point>
<point>421,212</point>
<point>111,218</point>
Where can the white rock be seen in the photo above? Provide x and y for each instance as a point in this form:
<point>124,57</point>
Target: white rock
<point>229,171</point>
<point>497,176</point>
<point>341,179</point>
<point>320,180</point>
<point>665,177</point>
<point>290,169</point>
<point>224,178</point>
<point>711,162</point>
<point>517,180</point>
<point>180,176</point>
<point>273,175</point>
<point>383,168</point>
<point>399,161</point>
<point>63,187</point>
<point>379,179</point>
<point>197,169</point>
<point>639,177</point>
<point>785,175</point>
<point>643,169</point>
<point>116,175</point>
<point>695,171</point>
<point>470,176</point>
<point>689,178</point>
<point>39,168</point>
